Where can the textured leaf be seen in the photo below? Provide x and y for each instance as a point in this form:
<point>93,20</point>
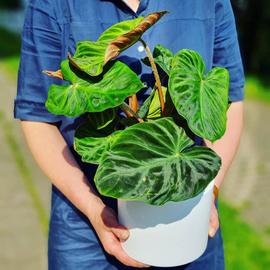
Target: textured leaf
<point>89,57</point>
<point>92,94</point>
<point>129,121</point>
<point>163,58</point>
<point>119,29</point>
<point>143,110</point>
<point>92,56</point>
<point>100,120</point>
<point>123,42</point>
<point>150,162</point>
<point>91,144</point>
<point>202,100</point>
<point>155,109</point>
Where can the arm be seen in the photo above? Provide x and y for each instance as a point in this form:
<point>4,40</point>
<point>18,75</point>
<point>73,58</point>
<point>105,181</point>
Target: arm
<point>226,148</point>
<point>55,159</point>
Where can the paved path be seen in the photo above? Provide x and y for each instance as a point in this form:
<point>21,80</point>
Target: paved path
<point>23,242</point>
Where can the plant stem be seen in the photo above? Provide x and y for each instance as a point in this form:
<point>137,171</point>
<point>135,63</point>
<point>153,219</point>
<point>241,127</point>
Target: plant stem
<point>127,110</point>
<point>153,65</point>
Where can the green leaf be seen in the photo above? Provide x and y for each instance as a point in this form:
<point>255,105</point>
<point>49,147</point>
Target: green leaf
<point>92,94</point>
<point>91,57</point>
<point>163,57</point>
<point>123,42</point>
<point>150,162</point>
<point>143,110</point>
<point>119,29</point>
<point>129,121</point>
<point>155,108</point>
<point>91,144</point>
<point>100,120</point>
<point>202,100</point>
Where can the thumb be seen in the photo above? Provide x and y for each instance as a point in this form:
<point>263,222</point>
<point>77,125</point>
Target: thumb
<point>121,232</point>
<point>111,221</point>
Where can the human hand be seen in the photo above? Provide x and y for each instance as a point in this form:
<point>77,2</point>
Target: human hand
<point>214,221</point>
<point>110,233</point>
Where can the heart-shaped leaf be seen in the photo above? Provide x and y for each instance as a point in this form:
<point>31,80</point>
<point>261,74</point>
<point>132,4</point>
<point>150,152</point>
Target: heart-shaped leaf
<point>202,100</point>
<point>100,120</point>
<point>150,162</point>
<point>92,94</point>
<point>91,144</point>
<point>91,57</point>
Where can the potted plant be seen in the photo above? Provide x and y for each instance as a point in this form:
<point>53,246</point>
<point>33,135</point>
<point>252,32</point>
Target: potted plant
<point>153,162</point>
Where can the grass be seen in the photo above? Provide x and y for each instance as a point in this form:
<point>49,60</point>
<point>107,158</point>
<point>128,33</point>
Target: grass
<point>244,247</point>
<point>257,89</point>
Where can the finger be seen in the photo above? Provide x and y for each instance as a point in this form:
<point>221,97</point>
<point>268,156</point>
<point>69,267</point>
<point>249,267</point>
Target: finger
<point>119,230</point>
<point>214,222</point>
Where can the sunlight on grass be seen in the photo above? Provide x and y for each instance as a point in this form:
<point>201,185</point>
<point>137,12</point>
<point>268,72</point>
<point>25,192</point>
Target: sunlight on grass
<point>256,89</point>
<point>244,248</point>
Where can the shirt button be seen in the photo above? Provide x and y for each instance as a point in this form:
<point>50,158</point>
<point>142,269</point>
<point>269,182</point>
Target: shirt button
<point>140,48</point>
<point>145,84</point>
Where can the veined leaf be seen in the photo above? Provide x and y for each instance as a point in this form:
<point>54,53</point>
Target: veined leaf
<point>150,162</point>
<point>100,120</point>
<point>119,29</point>
<point>123,42</point>
<point>163,57</point>
<point>143,110</point>
<point>91,57</point>
<point>129,121</point>
<point>201,100</point>
<point>91,144</point>
<point>155,109</point>
<point>92,94</point>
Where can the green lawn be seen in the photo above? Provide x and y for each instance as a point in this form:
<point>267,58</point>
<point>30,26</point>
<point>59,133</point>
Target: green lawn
<point>244,247</point>
<point>257,89</point>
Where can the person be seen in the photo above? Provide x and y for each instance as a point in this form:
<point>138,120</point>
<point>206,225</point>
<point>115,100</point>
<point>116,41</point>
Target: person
<point>84,231</point>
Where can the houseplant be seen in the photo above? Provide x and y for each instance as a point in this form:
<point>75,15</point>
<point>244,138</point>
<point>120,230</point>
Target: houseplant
<point>153,160</point>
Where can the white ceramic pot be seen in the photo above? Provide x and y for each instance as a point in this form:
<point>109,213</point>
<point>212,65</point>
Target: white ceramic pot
<point>169,235</point>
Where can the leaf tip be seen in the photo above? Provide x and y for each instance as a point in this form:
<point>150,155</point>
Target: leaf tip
<point>56,74</point>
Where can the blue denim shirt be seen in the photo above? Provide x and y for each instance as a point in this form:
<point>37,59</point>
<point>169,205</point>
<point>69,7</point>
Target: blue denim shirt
<point>53,28</point>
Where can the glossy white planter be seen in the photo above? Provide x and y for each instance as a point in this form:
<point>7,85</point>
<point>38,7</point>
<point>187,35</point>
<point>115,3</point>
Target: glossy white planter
<point>169,235</point>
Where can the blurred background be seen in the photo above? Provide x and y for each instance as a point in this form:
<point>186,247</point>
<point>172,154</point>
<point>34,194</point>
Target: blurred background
<point>244,201</point>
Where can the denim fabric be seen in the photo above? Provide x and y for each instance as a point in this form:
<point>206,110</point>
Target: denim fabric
<point>53,28</point>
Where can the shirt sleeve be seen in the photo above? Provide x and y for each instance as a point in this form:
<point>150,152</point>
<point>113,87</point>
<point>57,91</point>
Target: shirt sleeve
<point>41,50</point>
<point>226,49</point>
